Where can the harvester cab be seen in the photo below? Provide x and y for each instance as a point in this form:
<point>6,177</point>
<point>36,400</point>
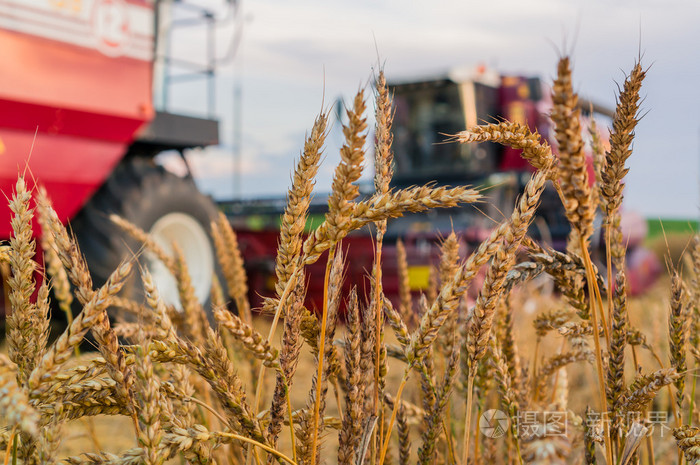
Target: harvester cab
<point>429,111</point>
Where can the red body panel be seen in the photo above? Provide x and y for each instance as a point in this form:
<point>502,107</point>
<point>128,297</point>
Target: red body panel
<point>58,75</point>
<point>259,249</point>
<point>71,168</point>
<point>67,112</point>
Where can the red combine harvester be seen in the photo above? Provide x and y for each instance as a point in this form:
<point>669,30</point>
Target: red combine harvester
<point>77,110</point>
<point>77,88</point>
<point>426,110</point>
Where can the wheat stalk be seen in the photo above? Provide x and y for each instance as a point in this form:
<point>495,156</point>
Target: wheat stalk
<point>503,260</point>
<point>383,158</point>
<point>340,208</point>
<point>434,419</point>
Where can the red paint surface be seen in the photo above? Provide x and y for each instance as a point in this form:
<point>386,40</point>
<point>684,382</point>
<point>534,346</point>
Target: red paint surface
<point>71,168</point>
<point>62,76</point>
<point>67,121</point>
<point>259,249</point>
<point>68,114</point>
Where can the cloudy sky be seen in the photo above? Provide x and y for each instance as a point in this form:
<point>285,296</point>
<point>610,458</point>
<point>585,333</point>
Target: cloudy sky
<point>297,57</point>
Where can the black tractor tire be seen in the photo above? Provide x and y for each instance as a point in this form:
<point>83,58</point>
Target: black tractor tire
<point>147,195</point>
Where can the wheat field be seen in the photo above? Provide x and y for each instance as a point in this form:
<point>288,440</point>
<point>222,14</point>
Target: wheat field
<point>586,375</point>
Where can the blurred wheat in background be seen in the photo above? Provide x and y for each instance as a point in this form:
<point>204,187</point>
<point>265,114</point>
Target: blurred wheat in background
<point>587,376</point>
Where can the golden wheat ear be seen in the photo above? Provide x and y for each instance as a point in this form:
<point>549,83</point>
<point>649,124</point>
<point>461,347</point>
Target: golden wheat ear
<point>351,429</point>
<point>449,263</point>
<point>231,260</point>
<point>288,359</point>
<point>621,138</point>
<point>25,328</point>
<point>93,312</point>
<point>251,339</point>
<point>383,155</point>
<point>514,135</point>
<point>150,403</point>
<point>507,387</point>
<point>678,337</point>
<point>645,388</point>
<point>406,300</point>
<point>573,174</point>
<point>344,190</point>
<point>611,188</point>
<point>295,214</point>
<point>15,407</point>
<point>688,438</point>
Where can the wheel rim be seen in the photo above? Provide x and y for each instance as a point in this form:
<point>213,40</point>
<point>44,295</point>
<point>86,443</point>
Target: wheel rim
<point>193,241</point>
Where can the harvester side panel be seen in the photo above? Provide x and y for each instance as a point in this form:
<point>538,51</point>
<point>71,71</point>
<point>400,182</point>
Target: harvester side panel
<point>75,89</point>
